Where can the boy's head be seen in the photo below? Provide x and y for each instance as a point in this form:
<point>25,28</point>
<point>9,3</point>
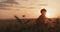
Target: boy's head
<point>43,11</point>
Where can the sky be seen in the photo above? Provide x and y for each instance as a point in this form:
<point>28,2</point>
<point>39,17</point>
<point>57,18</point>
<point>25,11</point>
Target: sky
<point>29,8</point>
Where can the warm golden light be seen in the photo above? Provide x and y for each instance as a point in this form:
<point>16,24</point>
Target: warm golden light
<point>51,13</point>
<point>29,8</point>
<point>48,14</point>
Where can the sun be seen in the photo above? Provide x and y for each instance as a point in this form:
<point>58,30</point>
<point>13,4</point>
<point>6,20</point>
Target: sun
<point>49,13</point>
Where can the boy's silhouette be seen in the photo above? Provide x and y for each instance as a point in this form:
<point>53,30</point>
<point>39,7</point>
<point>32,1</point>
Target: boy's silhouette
<point>42,18</point>
<point>42,21</point>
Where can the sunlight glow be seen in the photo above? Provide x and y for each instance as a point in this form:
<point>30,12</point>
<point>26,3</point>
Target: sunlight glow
<point>49,13</point>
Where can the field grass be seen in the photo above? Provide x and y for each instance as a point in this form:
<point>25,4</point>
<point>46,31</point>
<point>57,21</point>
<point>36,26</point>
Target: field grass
<point>27,25</point>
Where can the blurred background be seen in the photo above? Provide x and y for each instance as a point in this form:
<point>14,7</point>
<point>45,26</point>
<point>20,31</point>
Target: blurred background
<point>21,15</point>
<point>29,8</point>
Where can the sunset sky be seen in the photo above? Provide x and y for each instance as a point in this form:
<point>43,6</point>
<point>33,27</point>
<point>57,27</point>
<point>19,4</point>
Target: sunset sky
<point>29,8</point>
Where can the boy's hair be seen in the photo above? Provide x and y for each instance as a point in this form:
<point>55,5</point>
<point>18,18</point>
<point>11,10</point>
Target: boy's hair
<point>43,10</point>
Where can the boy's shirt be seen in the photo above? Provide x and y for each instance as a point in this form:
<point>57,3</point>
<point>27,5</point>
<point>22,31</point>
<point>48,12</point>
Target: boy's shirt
<point>43,19</point>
